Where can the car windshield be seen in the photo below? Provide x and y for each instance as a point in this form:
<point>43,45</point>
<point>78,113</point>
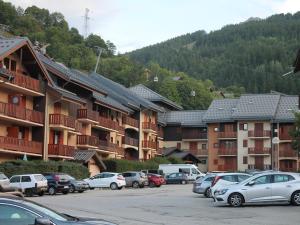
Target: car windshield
<point>68,177</point>
<point>2,176</point>
<point>49,212</point>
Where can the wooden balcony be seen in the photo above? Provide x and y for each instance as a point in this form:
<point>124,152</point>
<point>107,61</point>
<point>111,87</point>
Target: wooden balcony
<point>107,146</point>
<point>22,83</point>
<point>20,145</point>
<point>88,116</point>
<point>130,141</point>
<point>107,123</point>
<point>120,151</point>
<point>227,151</point>
<point>87,141</point>
<point>199,152</point>
<point>288,152</point>
<point>149,144</point>
<point>262,167</point>
<point>227,135</point>
<point>259,134</point>
<point>61,121</point>
<point>11,111</point>
<point>148,126</point>
<point>160,133</point>
<point>121,130</point>
<point>259,151</point>
<point>194,135</point>
<point>227,168</point>
<point>130,122</point>
<point>60,150</point>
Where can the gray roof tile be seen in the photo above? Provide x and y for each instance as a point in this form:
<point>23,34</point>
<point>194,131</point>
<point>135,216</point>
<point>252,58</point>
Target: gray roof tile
<point>7,44</point>
<point>111,102</point>
<point>287,106</point>
<point>189,118</point>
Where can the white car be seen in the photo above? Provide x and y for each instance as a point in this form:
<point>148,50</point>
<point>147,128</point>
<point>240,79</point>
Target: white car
<point>30,184</point>
<point>222,180</point>
<point>267,188</point>
<point>106,180</point>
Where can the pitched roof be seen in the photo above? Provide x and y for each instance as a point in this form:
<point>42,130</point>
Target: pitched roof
<point>86,155</point>
<point>190,118</point>
<point>147,93</point>
<point>220,110</point>
<point>256,107</point>
<point>287,106</point>
<point>67,94</point>
<point>8,44</point>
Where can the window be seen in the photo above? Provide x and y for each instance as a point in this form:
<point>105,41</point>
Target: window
<point>173,175</point>
<point>245,160</point>
<point>13,215</point>
<point>279,178</point>
<point>108,175</point>
<point>216,145</point>
<point>263,180</point>
<point>230,178</point>
<point>245,143</point>
<point>25,179</point>
<point>13,65</point>
<point>194,171</point>
<point>15,179</point>
<point>203,146</point>
<point>242,177</point>
<point>6,63</point>
<point>202,161</point>
<point>209,179</point>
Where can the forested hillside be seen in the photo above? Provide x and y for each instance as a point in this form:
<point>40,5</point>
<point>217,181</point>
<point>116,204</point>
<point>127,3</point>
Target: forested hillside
<point>253,54</point>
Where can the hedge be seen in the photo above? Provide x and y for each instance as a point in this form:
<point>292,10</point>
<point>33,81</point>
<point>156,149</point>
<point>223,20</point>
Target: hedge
<point>76,170</point>
<point>122,165</point>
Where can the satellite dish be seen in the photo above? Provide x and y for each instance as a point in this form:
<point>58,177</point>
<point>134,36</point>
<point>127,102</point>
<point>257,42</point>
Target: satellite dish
<point>155,79</point>
<point>275,140</point>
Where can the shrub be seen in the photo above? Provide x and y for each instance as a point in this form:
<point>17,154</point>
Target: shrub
<point>76,170</point>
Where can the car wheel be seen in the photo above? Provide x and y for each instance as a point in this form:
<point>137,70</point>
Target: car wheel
<point>207,193</point>
<point>41,193</point>
<point>135,184</point>
<point>113,186</point>
<point>29,192</point>
<point>81,191</point>
<point>72,189</point>
<point>151,184</point>
<point>52,191</point>
<point>65,192</point>
<point>183,182</point>
<point>235,200</point>
<point>296,198</point>
<point>120,188</point>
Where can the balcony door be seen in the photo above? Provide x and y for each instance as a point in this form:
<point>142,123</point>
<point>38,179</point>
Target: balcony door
<point>18,132</point>
<point>258,128</point>
<point>193,147</point>
<point>55,137</point>
<point>57,108</point>
<point>259,145</point>
<point>259,162</point>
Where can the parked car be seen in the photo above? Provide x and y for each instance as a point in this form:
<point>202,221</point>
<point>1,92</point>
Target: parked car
<point>202,185</point>
<point>224,179</point>
<point>18,211</point>
<point>191,171</point>
<point>77,185</point>
<point>29,184</point>
<point>177,178</point>
<point>58,183</point>
<point>155,180</point>
<point>106,180</point>
<point>159,172</point>
<point>5,184</point>
<point>262,188</point>
<point>135,179</point>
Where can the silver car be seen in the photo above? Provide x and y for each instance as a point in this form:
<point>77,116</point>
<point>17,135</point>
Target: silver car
<point>135,179</point>
<point>202,185</point>
<point>271,187</point>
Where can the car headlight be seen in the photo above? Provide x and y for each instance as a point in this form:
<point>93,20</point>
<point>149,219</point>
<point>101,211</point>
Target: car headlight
<point>222,192</point>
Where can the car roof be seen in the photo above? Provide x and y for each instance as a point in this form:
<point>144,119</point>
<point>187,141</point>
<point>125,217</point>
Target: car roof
<point>28,174</point>
<point>224,174</point>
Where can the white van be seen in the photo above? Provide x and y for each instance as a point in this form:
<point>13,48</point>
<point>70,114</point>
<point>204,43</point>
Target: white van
<point>190,170</point>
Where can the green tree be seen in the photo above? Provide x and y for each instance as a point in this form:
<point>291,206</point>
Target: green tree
<point>295,133</point>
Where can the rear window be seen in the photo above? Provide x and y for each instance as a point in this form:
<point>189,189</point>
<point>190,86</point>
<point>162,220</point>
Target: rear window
<point>63,177</point>
<point>230,178</point>
<point>25,179</point>
<point>209,178</point>
<point>39,177</point>
<point>2,176</point>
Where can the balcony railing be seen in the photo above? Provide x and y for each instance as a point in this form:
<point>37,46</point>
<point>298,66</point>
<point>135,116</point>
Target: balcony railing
<point>61,150</point>
<point>259,133</point>
<point>87,140</point>
<point>227,134</point>
<point>160,151</point>
<point>130,121</point>
<point>130,141</point>
<point>78,127</point>
<point>261,167</point>
<point>121,130</point>
<point>120,151</point>
<point>160,132</point>
<point>194,135</point>
<point>15,144</point>
<point>203,152</point>
<point>259,151</point>
<point>226,168</point>
<point>288,152</point>
<point>108,123</point>
<point>87,114</point>
<point>19,112</point>
<point>149,126</point>
<point>107,146</point>
<point>63,120</point>
<point>224,150</point>
<point>149,144</point>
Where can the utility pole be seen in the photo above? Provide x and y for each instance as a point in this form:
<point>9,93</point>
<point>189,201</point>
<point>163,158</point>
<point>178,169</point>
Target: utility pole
<point>86,23</point>
<point>100,50</point>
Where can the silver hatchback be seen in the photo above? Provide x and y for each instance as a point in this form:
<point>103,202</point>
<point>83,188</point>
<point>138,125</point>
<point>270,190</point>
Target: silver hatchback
<point>202,185</point>
<point>135,179</point>
<point>272,187</point>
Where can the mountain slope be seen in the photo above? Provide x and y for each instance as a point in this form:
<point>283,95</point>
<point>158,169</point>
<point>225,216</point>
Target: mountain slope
<point>253,54</point>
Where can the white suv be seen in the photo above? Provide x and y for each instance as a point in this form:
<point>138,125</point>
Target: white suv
<point>30,184</point>
<point>106,180</point>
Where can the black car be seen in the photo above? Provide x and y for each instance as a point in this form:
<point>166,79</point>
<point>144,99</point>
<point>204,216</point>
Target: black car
<point>176,178</point>
<point>77,185</point>
<point>58,182</point>
<point>18,211</point>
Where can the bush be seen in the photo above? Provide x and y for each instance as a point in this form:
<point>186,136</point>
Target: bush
<point>76,170</point>
<point>122,165</point>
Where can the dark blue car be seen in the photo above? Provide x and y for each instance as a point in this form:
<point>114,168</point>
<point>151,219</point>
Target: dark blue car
<point>18,211</point>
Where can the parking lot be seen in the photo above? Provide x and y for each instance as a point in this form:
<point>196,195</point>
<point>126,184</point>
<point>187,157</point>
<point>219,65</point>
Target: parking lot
<point>169,204</point>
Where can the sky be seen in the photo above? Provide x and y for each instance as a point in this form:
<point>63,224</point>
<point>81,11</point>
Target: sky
<point>133,24</point>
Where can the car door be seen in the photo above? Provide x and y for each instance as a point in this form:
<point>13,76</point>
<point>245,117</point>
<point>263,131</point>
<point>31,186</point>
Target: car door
<point>26,182</point>
<point>95,180</point>
<point>127,178</point>
<point>282,187</point>
<point>14,215</point>
<point>15,182</point>
<point>107,179</point>
<point>172,178</point>
<point>260,191</point>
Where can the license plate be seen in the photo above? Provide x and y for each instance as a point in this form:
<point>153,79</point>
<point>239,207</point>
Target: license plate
<point>66,186</point>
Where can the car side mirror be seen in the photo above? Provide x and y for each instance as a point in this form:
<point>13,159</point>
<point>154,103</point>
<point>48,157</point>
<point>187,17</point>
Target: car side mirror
<point>251,183</point>
<point>42,221</point>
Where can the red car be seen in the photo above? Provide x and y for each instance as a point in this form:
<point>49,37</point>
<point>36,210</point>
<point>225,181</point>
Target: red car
<point>155,180</point>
